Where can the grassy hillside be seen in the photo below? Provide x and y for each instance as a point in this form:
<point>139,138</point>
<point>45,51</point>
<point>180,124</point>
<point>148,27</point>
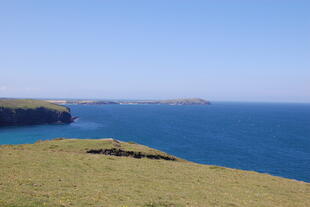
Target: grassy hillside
<point>30,104</point>
<point>60,173</point>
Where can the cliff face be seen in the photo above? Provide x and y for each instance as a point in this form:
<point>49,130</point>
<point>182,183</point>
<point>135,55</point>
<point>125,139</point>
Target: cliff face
<point>41,115</point>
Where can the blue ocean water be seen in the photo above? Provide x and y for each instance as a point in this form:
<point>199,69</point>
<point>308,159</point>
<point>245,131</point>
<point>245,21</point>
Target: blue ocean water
<point>269,138</point>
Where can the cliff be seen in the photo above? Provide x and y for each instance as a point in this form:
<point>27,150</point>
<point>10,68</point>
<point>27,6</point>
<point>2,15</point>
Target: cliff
<point>29,112</point>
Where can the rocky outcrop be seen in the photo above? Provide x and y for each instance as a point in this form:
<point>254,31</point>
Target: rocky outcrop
<point>124,153</point>
<point>26,116</point>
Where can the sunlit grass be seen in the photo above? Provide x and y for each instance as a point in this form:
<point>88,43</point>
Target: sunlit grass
<point>30,104</point>
<point>60,173</point>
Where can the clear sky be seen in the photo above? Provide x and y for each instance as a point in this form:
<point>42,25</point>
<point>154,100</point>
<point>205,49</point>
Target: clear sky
<point>233,50</point>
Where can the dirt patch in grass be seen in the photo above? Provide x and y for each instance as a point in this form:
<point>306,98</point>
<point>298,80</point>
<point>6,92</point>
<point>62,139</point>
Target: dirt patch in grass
<point>124,153</point>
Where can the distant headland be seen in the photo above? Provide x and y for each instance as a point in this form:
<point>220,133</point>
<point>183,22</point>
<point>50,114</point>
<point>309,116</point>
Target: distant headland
<point>183,101</point>
<point>29,112</point>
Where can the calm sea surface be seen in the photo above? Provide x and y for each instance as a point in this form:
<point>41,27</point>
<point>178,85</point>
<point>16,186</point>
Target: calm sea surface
<point>269,138</point>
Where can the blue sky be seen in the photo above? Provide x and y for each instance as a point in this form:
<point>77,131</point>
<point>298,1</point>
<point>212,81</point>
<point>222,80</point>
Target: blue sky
<point>233,50</point>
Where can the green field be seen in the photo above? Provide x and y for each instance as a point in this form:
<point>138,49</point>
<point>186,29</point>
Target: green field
<point>30,104</point>
<point>59,173</point>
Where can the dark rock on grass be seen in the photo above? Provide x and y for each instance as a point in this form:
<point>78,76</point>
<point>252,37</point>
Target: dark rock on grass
<point>123,153</point>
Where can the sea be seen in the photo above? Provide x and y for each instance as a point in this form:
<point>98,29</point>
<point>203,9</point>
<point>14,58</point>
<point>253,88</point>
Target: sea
<point>271,138</point>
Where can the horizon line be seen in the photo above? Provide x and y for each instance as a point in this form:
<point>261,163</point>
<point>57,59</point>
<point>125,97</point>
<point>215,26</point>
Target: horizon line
<point>150,99</point>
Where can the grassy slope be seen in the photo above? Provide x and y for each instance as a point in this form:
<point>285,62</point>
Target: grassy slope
<point>60,173</point>
<point>29,104</point>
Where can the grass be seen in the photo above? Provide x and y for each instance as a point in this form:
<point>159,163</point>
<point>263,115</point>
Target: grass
<point>30,104</point>
<point>59,173</point>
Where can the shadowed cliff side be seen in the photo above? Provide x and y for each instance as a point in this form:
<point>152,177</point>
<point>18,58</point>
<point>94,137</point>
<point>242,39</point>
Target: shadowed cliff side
<point>29,112</point>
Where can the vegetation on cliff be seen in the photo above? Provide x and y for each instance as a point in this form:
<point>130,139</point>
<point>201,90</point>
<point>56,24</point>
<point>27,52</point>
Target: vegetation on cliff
<point>27,111</point>
<point>63,173</point>
<point>30,104</point>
